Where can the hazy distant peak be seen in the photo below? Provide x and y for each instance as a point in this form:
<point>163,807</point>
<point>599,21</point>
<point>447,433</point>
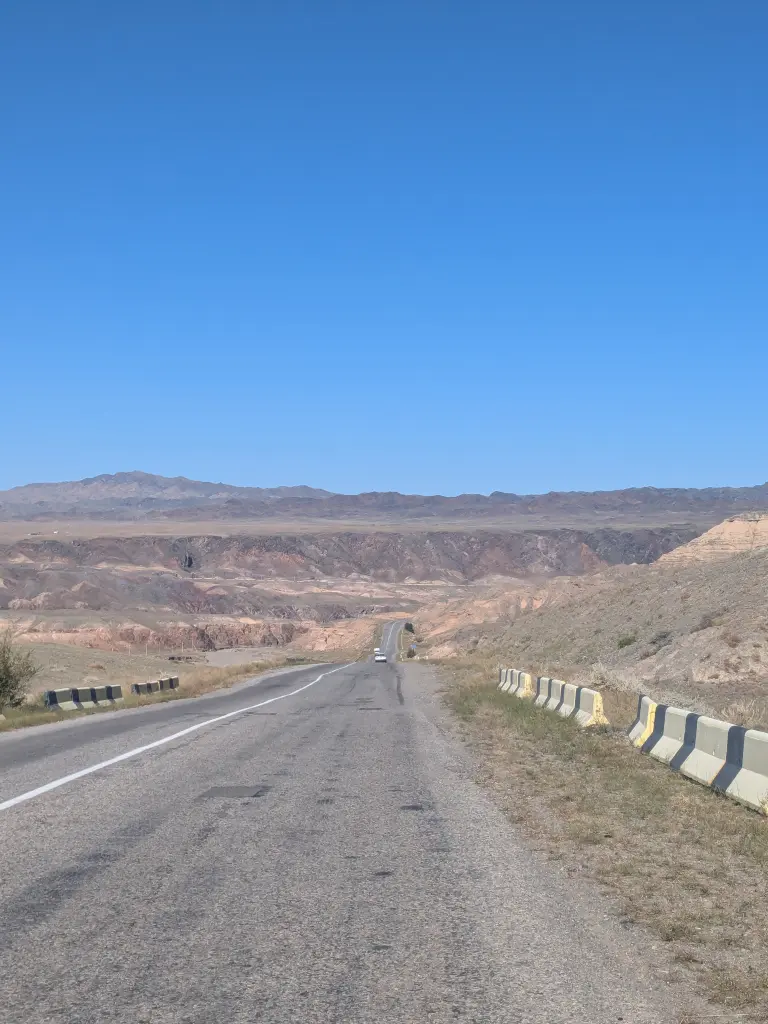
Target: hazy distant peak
<point>138,486</point>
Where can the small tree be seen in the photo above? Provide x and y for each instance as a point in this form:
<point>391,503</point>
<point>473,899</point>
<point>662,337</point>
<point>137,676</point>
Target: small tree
<point>16,670</point>
<point>409,627</point>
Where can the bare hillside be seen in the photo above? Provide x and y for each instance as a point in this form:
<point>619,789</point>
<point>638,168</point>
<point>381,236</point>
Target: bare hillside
<point>181,572</point>
<point>736,535</point>
<point>693,630</point>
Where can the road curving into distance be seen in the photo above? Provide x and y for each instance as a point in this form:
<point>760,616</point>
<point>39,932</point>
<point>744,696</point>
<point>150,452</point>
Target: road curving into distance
<point>308,847</point>
<point>390,638</point>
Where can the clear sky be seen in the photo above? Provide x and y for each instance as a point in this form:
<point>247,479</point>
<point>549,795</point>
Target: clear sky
<point>424,245</point>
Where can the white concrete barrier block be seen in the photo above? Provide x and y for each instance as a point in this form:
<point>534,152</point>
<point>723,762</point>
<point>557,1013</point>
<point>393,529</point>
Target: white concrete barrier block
<point>61,699</point>
<point>82,696</point>
<point>670,744</point>
<point>555,694</point>
<point>568,705</point>
<point>708,756</point>
<point>643,724</point>
<point>589,708</point>
<point>750,786</point>
<point>542,690</point>
<point>526,685</point>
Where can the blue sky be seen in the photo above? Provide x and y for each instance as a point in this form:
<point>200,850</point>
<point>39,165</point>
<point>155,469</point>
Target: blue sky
<point>415,245</point>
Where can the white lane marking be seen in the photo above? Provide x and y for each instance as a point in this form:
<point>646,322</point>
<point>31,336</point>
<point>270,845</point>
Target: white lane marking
<point>157,743</point>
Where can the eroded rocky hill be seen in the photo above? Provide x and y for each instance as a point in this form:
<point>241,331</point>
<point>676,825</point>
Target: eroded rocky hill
<point>235,575</point>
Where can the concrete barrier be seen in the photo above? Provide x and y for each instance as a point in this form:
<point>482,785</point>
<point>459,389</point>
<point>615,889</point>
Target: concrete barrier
<point>555,701</point>
<point>61,699</point>
<point>727,758</point>
<point>525,684</point>
<point>589,707</point>
<point>78,697</point>
<point>672,738</point>
<point>511,680</point>
<point>104,696</point>
<point>568,699</point>
<point>642,727</point>
<point>709,752</point>
<point>748,783</point>
<point>81,695</point>
<point>543,690</point>
<point>156,685</point>
<point>149,687</point>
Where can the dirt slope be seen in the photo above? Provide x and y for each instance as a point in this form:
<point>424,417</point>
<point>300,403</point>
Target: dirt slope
<point>689,630</point>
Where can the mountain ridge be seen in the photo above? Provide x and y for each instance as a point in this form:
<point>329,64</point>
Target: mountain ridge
<point>139,495</point>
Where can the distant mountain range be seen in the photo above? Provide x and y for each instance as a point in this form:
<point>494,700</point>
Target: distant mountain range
<point>145,496</point>
<point>142,491</point>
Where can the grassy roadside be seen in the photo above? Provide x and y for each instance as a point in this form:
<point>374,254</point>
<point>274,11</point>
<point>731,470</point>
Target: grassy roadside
<point>690,866</point>
<point>193,684</point>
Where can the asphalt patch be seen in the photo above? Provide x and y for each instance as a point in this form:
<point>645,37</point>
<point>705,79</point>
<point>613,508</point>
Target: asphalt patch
<point>234,792</point>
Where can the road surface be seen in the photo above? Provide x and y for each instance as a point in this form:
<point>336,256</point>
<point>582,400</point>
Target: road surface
<point>389,639</point>
<point>324,857</point>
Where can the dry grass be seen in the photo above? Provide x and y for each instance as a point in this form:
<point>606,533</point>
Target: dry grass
<point>64,665</point>
<point>685,863</point>
<point>194,684</point>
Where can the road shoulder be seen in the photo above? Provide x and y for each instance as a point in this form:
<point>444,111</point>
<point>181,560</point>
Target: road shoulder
<point>543,851</point>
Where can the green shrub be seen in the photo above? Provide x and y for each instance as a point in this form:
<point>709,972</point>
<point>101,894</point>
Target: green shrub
<point>625,641</point>
<point>16,670</point>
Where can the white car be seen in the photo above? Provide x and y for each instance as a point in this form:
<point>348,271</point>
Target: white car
<point>379,657</point>
<point>377,650</point>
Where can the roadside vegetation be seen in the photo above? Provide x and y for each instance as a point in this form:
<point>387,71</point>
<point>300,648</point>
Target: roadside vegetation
<point>687,865</point>
<point>406,637</point>
<point>17,669</point>
<point>193,684</point>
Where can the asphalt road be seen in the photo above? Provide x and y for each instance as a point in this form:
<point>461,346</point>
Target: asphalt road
<point>326,857</point>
